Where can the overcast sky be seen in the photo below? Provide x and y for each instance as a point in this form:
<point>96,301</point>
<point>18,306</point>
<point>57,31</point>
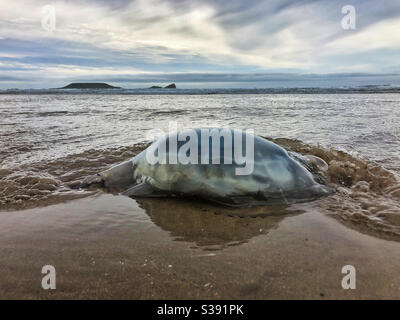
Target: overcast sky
<point>158,40</point>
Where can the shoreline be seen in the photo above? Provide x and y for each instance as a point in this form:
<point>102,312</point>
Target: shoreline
<point>196,92</point>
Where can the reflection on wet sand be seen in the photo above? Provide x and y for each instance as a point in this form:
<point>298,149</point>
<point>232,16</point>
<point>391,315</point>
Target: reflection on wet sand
<point>107,247</point>
<point>213,227</point>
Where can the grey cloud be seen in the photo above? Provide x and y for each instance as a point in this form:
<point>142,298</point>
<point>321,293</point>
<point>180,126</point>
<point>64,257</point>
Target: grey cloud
<point>237,77</point>
<point>10,79</point>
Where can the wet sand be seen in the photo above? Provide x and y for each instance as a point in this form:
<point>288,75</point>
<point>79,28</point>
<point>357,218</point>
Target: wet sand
<point>114,247</point>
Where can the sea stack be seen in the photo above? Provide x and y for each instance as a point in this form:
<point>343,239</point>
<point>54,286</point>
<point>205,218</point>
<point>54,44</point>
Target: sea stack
<point>170,86</point>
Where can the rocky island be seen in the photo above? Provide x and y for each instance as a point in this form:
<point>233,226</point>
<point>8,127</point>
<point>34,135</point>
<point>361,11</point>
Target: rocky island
<point>89,85</point>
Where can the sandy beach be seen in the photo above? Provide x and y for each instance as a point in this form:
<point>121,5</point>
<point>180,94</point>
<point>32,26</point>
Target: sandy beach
<point>112,247</point>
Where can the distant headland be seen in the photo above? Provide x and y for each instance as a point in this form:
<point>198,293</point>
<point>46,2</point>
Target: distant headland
<point>89,85</point>
<point>102,85</point>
